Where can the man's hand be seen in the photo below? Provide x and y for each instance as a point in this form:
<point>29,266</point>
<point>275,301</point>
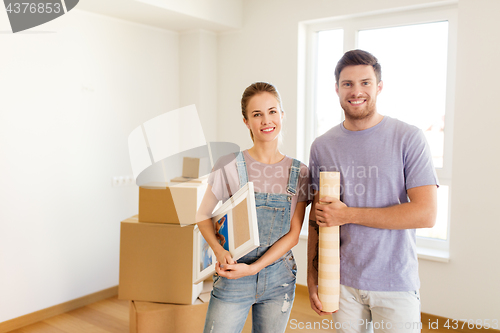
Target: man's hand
<point>234,271</point>
<point>331,212</point>
<point>315,302</point>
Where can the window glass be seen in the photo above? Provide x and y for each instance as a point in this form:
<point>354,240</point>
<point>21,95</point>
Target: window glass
<point>414,63</point>
<point>330,50</point>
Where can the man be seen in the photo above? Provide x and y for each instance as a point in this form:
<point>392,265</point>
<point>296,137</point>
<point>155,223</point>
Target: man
<point>388,188</point>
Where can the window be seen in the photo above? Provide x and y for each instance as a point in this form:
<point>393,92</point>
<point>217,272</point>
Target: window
<point>416,49</point>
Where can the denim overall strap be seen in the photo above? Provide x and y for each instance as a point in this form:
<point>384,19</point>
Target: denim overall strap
<point>241,166</point>
<point>273,210</point>
<point>293,180</point>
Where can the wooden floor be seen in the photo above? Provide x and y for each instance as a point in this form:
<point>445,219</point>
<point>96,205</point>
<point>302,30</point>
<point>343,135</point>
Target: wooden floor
<point>107,316</point>
<point>111,316</point>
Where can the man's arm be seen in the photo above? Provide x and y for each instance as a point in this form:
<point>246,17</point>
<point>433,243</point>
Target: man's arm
<point>312,260</point>
<point>420,212</point>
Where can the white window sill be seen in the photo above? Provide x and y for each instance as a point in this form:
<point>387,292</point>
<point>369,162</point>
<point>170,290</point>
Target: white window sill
<point>433,254</point>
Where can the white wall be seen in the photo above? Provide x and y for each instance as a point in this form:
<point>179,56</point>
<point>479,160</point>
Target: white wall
<point>266,49</point>
<point>71,92</point>
<point>198,76</point>
<point>468,286</point>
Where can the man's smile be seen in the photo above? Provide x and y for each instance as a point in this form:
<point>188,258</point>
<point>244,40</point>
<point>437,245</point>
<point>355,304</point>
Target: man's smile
<point>357,101</point>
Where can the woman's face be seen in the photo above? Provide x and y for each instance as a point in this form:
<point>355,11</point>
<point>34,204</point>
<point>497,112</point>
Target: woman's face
<point>264,117</point>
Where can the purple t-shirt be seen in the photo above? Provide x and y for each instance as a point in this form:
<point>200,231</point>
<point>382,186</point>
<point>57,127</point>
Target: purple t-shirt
<point>267,178</point>
<point>377,165</point>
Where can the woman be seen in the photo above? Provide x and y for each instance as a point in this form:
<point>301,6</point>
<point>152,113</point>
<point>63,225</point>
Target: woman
<point>264,279</point>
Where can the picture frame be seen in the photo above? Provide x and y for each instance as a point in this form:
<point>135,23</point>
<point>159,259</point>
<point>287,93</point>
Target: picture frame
<point>204,258</point>
<point>236,228</point>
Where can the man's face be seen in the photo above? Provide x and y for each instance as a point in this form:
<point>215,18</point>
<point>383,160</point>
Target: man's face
<point>358,90</point>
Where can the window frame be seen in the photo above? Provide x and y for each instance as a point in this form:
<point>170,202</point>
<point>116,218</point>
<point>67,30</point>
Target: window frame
<point>433,249</point>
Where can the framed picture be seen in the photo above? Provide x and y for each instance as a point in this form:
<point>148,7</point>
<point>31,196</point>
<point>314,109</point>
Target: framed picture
<point>203,259</point>
<point>236,229</point>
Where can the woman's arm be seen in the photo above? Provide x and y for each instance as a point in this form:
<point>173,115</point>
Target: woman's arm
<point>204,215</point>
<point>278,249</point>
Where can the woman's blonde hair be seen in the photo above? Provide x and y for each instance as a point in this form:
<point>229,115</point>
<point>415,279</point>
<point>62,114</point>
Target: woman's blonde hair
<point>257,88</point>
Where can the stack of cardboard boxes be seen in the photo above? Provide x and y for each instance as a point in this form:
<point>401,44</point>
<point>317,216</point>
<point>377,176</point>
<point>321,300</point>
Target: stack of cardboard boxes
<point>156,257</point>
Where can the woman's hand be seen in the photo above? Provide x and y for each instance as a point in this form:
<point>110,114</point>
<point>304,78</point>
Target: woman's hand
<point>224,257</point>
<point>235,271</point>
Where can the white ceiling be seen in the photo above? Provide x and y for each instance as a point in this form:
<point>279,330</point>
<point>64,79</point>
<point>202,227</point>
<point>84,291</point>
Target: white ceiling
<point>139,12</point>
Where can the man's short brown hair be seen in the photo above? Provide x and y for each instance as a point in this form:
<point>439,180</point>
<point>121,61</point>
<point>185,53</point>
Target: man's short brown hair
<point>358,57</point>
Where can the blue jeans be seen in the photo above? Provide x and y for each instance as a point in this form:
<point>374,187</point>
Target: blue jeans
<point>270,294</point>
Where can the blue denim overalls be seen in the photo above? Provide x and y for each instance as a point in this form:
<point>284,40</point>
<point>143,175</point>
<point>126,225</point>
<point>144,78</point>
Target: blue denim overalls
<point>270,292</point>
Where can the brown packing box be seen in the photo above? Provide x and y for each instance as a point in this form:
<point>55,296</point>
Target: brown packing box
<point>156,263</point>
<point>177,180</point>
<point>191,167</point>
<point>176,204</point>
<point>148,317</point>
<point>194,167</point>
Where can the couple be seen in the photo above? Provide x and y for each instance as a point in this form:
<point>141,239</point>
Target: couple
<point>378,214</point>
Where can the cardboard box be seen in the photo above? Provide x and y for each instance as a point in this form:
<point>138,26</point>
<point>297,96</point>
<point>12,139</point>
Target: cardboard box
<point>156,263</point>
<point>177,180</point>
<point>191,167</point>
<point>148,317</point>
<point>176,204</point>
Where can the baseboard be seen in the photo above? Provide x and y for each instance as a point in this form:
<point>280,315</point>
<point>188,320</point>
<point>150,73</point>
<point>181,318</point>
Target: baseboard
<point>432,322</point>
<point>55,310</point>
